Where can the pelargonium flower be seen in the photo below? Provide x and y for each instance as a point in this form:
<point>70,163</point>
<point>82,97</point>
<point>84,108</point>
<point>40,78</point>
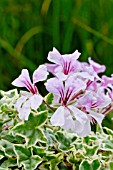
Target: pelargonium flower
<point>31,99</point>
<point>64,65</point>
<point>65,97</point>
<point>97,67</point>
<point>93,104</point>
<point>89,73</point>
<point>107,84</point>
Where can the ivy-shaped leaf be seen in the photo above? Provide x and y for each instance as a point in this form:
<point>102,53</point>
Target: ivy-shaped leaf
<point>64,142</point>
<point>90,150</point>
<point>26,158</point>
<point>10,93</point>
<point>8,163</point>
<point>31,129</point>
<point>94,165</point>
<point>7,148</point>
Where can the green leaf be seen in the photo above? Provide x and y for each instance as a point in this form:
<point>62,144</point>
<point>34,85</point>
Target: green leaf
<point>111,165</point>
<point>64,142</point>
<point>36,120</point>
<point>26,158</point>
<point>7,148</point>
<point>51,137</point>
<point>85,165</point>
<point>10,93</point>
<point>108,144</point>
<point>9,163</point>
<point>62,166</point>
<point>49,98</point>
<point>31,129</point>
<point>90,150</point>
<point>109,131</point>
<point>39,151</point>
<point>55,161</point>
<point>94,165</point>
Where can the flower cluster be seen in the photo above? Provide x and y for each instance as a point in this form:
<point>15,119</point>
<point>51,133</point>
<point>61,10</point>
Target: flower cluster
<point>81,97</point>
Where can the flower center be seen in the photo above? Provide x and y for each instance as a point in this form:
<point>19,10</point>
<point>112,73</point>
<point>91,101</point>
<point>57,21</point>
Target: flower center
<point>31,88</point>
<point>66,67</point>
<point>65,97</point>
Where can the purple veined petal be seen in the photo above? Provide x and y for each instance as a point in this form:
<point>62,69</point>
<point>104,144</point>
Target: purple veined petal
<point>54,86</point>
<point>87,100</point>
<point>69,122</point>
<point>55,57</point>
<point>73,86</point>
<point>40,74</point>
<point>24,111</point>
<point>51,68</point>
<point>23,80</point>
<point>97,116</point>
<point>97,67</point>
<point>78,114</point>
<point>70,64</point>
<point>36,101</point>
<point>57,118</point>
<point>86,130</point>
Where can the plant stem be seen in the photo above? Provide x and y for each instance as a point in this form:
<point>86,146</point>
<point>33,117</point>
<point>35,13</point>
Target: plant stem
<point>48,105</point>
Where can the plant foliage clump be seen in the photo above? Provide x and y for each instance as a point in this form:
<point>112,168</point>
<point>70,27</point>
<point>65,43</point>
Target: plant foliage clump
<point>36,145</point>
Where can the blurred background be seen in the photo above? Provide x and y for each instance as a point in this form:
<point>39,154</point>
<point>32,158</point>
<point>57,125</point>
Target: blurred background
<point>29,29</point>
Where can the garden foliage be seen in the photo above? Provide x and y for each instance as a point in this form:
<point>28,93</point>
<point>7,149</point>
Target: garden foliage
<point>36,145</point>
<point>54,132</point>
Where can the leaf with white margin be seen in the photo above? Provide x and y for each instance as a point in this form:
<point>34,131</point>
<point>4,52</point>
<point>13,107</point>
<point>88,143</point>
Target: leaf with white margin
<point>85,165</point>
<point>26,158</point>
<point>31,129</point>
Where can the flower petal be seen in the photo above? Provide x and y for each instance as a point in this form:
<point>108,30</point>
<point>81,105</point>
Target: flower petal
<point>24,111</point>
<point>71,57</point>
<point>78,114</point>
<point>57,118</point>
<point>61,76</point>
<point>23,80</point>
<point>36,101</point>
<point>97,67</point>
<point>86,129</point>
<point>25,93</point>
<point>85,75</point>
<point>51,67</point>
<point>40,74</point>
<point>97,116</point>
<point>69,122</point>
<point>55,57</point>
<point>20,101</point>
<point>54,85</point>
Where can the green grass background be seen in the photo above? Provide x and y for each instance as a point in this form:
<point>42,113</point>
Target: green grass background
<point>29,29</point>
